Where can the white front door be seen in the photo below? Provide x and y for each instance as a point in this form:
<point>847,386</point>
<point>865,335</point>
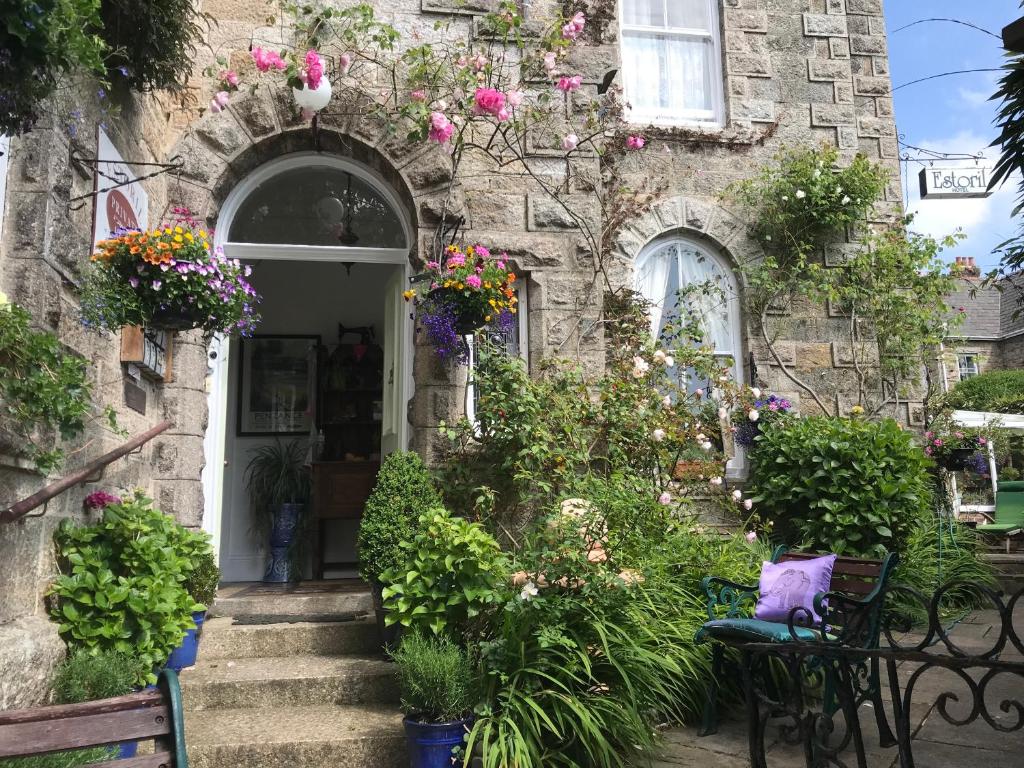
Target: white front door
<point>395,330</point>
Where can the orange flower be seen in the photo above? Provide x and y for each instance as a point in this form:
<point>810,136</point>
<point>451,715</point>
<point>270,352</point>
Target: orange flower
<point>135,249</point>
<point>511,277</point>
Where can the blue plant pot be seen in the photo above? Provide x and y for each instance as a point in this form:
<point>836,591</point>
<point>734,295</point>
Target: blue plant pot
<point>431,744</point>
<point>286,522</point>
<point>127,749</point>
<point>185,654</point>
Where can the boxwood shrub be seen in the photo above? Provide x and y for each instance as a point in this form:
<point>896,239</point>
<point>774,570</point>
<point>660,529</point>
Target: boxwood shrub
<point>848,486</point>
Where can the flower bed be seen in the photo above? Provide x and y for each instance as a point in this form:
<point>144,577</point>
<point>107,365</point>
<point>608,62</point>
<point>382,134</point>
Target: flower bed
<point>168,278</point>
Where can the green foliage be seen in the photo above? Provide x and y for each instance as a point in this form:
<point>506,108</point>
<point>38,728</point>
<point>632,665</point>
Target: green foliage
<point>404,491</point>
<point>938,551</point>
<point>153,42</point>
<point>101,674</point>
<point>123,588</point>
<point>276,474</point>
<point>450,575</point>
<point>994,391</point>
<point>202,582</point>
<point>847,486</point>
<point>589,655</point>
<point>70,759</point>
<point>891,284</point>
<point>42,385</point>
<point>803,198</point>
<point>43,41</point>
<point>435,677</point>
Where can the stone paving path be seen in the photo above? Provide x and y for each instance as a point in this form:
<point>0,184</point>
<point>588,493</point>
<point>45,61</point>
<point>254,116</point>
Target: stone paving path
<point>937,744</point>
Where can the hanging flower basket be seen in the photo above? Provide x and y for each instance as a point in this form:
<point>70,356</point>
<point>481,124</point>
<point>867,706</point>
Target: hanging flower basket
<point>169,279</point>
<point>956,460</point>
<point>461,294</point>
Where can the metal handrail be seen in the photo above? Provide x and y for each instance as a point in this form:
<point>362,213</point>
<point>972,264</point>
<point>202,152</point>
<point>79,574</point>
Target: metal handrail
<point>23,507</point>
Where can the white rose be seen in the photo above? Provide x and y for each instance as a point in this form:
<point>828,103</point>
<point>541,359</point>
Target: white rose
<point>715,481</point>
<point>753,415</point>
<point>748,504</point>
<point>666,402</point>
<point>659,355</point>
<point>707,446</point>
<point>755,391</point>
<point>846,200</point>
<point>800,194</point>
<point>737,494</point>
<point>669,361</point>
<point>658,435</point>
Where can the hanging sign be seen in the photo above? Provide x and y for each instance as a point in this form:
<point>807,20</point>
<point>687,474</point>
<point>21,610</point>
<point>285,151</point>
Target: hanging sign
<point>955,183</point>
<point>117,206</point>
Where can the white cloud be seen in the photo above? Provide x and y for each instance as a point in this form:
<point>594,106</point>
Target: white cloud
<point>986,222</point>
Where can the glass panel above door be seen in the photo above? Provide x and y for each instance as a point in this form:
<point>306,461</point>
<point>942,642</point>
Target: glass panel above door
<point>317,206</point>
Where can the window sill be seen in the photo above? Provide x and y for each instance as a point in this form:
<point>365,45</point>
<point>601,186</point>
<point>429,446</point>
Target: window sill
<point>695,134</point>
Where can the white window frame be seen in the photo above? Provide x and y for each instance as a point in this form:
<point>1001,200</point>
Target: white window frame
<point>737,465</point>
<point>523,308</point>
<point>712,118</point>
<point>962,363</point>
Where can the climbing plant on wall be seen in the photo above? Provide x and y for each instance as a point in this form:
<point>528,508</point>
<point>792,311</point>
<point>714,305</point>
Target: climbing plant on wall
<point>886,287</point>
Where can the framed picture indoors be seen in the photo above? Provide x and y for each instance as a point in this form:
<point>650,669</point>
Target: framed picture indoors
<point>276,382</point>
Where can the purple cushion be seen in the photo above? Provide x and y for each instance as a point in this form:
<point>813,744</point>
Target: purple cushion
<point>792,584</point>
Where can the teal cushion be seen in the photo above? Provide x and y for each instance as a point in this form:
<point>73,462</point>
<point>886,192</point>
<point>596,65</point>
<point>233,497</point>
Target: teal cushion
<point>756,631</point>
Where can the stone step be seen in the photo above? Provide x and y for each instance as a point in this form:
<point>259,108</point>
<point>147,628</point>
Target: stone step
<point>356,602</point>
<point>288,681</point>
<point>296,737</point>
<point>224,640</point>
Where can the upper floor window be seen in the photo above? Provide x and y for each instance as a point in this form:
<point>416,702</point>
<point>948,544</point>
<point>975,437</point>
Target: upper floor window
<point>969,366</point>
<point>679,277</point>
<point>672,61</point>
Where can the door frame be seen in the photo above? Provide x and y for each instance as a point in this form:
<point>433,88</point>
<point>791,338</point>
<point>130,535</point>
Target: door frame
<point>215,438</point>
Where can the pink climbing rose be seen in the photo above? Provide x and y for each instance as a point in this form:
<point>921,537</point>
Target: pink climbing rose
<point>441,128</point>
<point>313,70</point>
<point>550,61</point>
<point>345,63</point>
<point>635,142</point>
<point>266,59</point>
<point>515,98</point>
<point>489,101</point>
<point>570,142</point>
<point>574,27</point>
<point>568,84</point>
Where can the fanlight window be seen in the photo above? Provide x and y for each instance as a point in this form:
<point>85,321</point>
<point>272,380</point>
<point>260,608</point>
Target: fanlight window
<point>320,206</point>
<point>664,273</point>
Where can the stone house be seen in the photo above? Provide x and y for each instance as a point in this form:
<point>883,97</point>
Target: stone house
<point>991,337</point>
<point>767,74</point>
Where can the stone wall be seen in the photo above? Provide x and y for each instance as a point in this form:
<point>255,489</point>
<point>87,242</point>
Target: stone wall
<point>47,241</point>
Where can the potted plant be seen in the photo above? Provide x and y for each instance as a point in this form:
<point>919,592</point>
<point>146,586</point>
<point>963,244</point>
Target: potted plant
<point>435,678</point>
<point>169,278</point>
<point>202,588</point>
<point>954,450</point>
<point>461,293</point>
<point>278,480</point>
<point>403,492</point>
<point>85,676</point>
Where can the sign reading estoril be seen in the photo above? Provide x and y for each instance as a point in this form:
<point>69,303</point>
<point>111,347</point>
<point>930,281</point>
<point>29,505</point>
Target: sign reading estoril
<point>955,183</point>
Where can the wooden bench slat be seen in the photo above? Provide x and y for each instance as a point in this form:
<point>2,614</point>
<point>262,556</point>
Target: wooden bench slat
<point>101,707</point>
<point>844,565</point>
<point>41,735</point>
<point>157,760</point>
<point>850,587</point>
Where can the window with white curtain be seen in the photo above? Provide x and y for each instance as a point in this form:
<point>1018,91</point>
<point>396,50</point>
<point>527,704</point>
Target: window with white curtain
<point>668,266</point>
<point>672,61</point>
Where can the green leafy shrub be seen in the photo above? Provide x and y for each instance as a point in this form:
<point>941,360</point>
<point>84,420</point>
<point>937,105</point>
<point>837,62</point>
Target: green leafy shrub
<point>435,677</point>
<point>995,391</point>
<point>450,574</point>
<point>153,42</point>
<point>202,582</point>
<point>124,589</point>
<point>42,385</point>
<point>43,41</point>
<point>403,492</point>
<point>847,486</point>
<point>104,674</point>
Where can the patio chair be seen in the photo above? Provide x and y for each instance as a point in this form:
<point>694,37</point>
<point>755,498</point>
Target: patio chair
<point>852,609</point>
<point>1008,520</point>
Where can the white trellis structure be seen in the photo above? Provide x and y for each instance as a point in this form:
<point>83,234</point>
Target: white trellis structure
<point>979,420</point>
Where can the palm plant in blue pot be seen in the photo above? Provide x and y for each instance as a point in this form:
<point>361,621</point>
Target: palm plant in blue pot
<point>278,480</point>
<point>437,686</point>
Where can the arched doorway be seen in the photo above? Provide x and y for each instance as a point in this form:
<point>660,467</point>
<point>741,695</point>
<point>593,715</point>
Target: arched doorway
<point>331,363</point>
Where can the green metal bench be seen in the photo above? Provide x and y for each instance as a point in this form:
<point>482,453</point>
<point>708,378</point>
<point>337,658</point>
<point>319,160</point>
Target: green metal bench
<point>852,613</point>
<point>149,715</point>
<point>1008,519</point>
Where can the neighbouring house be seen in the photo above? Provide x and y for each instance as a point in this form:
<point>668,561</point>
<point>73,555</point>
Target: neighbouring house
<point>334,221</point>
<point>991,337</point>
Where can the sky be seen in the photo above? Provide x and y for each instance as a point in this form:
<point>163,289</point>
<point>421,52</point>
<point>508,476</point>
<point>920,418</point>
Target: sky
<point>951,114</point>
